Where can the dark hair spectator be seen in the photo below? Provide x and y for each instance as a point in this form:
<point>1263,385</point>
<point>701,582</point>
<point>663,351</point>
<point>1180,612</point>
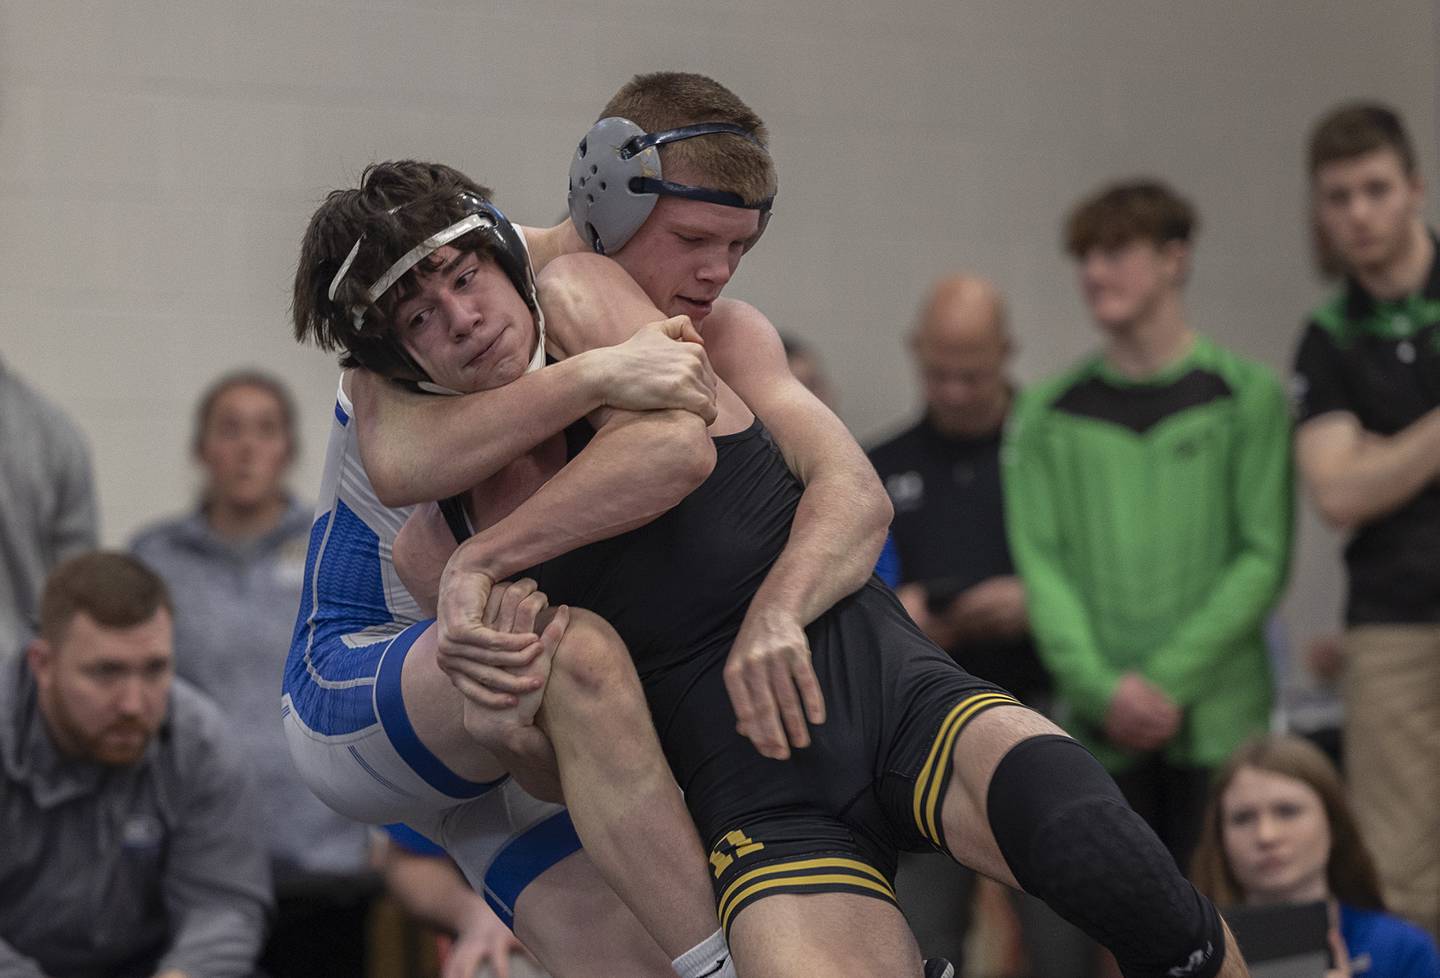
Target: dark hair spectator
<point>134,843</point>
<point>1149,503</point>
<point>234,565</point>
<point>114,590</point>
<point>1367,442</point>
<point>1358,130</point>
<point>807,367</point>
<point>1124,212</point>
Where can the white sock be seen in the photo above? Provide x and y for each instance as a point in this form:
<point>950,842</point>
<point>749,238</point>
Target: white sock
<point>708,959</point>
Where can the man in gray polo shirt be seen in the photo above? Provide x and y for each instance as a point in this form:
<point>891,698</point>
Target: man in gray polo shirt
<point>132,835</point>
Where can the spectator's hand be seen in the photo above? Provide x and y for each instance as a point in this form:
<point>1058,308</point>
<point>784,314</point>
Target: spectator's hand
<point>992,609</point>
<point>652,371</point>
<point>772,683</point>
<point>486,662</point>
<point>1140,715</point>
<point>1325,657</point>
<point>485,940</point>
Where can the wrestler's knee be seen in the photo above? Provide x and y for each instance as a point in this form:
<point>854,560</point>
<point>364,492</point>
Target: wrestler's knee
<point>591,662</point>
<point>1068,836</point>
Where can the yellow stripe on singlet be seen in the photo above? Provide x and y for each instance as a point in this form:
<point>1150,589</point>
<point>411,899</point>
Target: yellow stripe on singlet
<point>927,785</point>
<point>853,872</point>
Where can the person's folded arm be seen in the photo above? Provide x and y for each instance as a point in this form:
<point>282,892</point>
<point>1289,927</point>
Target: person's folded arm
<point>837,533</point>
<point>1355,476</point>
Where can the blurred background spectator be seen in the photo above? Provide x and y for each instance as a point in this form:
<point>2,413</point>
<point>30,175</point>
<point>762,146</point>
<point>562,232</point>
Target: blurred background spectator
<point>1148,494</point>
<point>234,565</point>
<point>807,366</point>
<point>1367,390</point>
<point>133,840</point>
<point>47,501</point>
<point>1279,830</point>
<point>956,576</point>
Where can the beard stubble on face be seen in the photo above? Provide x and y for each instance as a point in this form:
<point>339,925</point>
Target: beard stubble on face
<point>118,744</point>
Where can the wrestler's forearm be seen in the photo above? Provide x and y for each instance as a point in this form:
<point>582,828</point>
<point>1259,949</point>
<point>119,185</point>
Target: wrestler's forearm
<point>418,447</point>
<point>836,538</point>
<point>840,525</point>
<point>636,467</point>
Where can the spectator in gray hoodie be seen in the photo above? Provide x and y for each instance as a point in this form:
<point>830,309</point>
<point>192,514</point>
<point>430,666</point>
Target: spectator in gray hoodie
<point>132,843</point>
<point>47,501</point>
<point>234,566</point>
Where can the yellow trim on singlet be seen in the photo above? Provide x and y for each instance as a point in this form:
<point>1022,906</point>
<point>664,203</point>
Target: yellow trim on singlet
<point>927,785</point>
<point>742,888</point>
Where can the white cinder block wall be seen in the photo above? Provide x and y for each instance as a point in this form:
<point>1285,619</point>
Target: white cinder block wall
<point>158,161</point>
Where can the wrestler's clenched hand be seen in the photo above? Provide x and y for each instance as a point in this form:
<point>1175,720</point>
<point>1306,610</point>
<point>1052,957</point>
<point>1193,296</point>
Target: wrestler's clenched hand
<point>662,366</point>
<point>772,683</point>
<point>477,646</point>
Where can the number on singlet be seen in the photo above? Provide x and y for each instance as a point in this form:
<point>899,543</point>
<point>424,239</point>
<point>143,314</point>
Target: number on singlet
<point>732,847</point>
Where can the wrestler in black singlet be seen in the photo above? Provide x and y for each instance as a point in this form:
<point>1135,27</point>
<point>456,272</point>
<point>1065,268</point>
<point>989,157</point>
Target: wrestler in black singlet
<point>833,815</point>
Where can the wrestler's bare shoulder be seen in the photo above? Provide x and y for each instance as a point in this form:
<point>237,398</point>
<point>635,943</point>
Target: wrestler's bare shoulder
<point>729,314</point>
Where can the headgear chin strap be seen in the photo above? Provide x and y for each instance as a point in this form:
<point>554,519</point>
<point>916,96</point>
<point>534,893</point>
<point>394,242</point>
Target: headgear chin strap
<point>616,180</point>
<point>386,355</point>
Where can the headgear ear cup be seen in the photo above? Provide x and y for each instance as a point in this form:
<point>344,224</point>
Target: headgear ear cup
<point>615,180</point>
<point>603,207</point>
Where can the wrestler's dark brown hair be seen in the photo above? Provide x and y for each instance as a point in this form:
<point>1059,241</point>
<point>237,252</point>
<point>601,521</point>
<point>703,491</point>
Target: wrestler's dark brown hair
<point>397,206</point>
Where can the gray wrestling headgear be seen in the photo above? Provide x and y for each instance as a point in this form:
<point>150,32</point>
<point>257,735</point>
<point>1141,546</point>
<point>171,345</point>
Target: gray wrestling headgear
<point>615,180</point>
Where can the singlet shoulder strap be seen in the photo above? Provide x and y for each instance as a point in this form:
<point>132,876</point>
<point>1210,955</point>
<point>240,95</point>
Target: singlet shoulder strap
<point>453,509</point>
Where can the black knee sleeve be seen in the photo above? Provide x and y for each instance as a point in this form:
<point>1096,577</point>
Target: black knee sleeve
<point>1070,838</point>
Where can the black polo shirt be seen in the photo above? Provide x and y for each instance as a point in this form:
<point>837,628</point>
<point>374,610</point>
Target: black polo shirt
<point>949,534</point>
<point>1380,361</point>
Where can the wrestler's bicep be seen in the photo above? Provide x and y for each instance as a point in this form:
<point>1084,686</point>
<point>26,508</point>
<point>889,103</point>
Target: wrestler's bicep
<point>589,301</point>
